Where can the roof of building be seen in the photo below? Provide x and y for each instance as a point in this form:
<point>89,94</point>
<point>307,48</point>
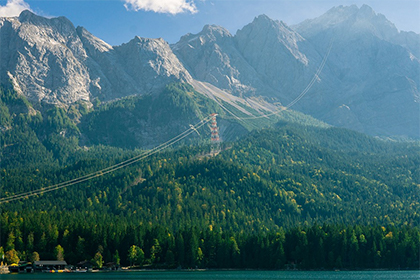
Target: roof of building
<point>50,263</point>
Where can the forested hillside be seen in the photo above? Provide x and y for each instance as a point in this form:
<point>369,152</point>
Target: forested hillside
<point>280,191</point>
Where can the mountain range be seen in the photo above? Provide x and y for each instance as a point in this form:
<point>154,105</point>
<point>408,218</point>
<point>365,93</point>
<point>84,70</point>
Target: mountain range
<point>370,81</point>
<point>81,168</point>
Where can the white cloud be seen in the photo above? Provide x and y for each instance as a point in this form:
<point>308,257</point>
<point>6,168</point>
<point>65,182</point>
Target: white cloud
<point>162,6</point>
<point>13,8</point>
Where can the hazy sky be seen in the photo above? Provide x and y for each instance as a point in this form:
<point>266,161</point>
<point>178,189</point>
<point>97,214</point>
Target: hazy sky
<point>118,21</point>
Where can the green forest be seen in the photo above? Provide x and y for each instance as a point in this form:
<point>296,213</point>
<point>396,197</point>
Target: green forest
<point>286,195</point>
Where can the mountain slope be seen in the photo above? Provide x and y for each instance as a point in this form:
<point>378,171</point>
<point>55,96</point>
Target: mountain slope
<point>147,121</point>
<point>212,57</point>
<point>151,63</point>
<point>375,85</point>
<point>275,52</point>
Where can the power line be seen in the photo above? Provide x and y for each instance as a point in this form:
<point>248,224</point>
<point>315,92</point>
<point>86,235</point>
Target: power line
<point>110,168</point>
<point>163,146</point>
<point>299,97</point>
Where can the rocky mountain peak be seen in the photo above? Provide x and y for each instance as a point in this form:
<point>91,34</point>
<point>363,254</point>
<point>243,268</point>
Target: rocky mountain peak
<point>50,61</point>
<point>141,41</point>
<point>265,21</point>
<point>215,30</point>
<point>262,26</point>
<point>151,59</point>
<point>44,58</point>
<point>347,21</point>
<point>209,34</point>
<point>60,24</point>
<point>28,16</point>
<point>257,40</point>
<point>141,45</point>
<point>212,56</point>
<point>366,11</point>
<point>375,23</point>
<point>273,49</point>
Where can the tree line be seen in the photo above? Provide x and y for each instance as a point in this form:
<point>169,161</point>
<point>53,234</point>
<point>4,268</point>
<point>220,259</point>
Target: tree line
<point>324,246</point>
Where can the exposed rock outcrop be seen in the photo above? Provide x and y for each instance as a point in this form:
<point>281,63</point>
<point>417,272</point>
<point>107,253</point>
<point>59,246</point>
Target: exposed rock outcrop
<point>51,61</point>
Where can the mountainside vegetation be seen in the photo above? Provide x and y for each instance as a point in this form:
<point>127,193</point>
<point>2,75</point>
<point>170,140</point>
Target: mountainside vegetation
<point>143,121</point>
<point>278,192</point>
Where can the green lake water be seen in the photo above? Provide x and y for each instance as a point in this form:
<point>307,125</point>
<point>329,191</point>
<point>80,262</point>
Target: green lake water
<point>213,275</point>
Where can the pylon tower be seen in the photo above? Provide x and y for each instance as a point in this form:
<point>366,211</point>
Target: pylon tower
<point>215,139</point>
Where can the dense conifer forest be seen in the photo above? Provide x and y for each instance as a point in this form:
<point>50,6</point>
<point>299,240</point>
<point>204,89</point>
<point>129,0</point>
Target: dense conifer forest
<point>285,196</point>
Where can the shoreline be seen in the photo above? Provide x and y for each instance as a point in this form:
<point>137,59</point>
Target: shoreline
<point>247,269</point>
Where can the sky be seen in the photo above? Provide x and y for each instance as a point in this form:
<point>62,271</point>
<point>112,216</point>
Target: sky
<point>119,21</point>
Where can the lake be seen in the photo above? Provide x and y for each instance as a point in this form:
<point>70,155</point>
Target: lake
<point>212,275</point>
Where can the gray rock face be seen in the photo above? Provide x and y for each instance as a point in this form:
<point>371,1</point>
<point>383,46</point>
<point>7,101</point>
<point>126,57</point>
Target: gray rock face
<point>213,57</point>
<point>151,64</point>
<point>341,18</point>
<point>43,58</point>
<point>138,67</point>
<point>410,41</point>
<point>275,51</point>
<point>49,60</point>
<point>109,80</point>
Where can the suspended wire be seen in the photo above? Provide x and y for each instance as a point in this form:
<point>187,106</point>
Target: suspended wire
<point>300,96</point>
<point>230,112</point>
<point>110,168</point>
<point>314,79</point>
